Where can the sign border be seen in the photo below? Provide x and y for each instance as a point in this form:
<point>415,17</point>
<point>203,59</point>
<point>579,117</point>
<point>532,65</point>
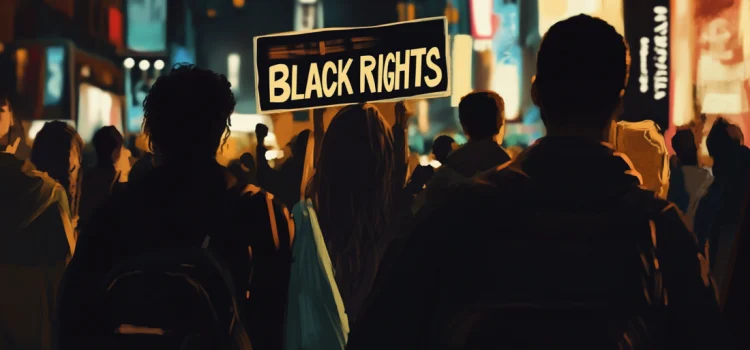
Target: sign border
<point>449,68</point>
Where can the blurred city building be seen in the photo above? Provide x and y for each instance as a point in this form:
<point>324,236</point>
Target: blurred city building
<point>91,61</point>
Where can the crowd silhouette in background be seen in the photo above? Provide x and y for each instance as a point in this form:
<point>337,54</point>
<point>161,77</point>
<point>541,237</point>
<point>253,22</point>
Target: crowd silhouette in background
<point>586,239</point>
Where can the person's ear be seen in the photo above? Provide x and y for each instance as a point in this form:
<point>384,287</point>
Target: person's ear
<point>535,92</point>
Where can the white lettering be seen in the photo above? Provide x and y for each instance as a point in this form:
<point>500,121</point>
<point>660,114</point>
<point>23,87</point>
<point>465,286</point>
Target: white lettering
<point>418,54</point>
<point>328,90</point>
<point>643,79</point>
<point>295,95</point>
<point>402,68</point>
<point>433,82</point>
<point>366,66</point>
<point>344,76</point>
<point>313,82</point>
<point>280,83</point>
<point>661,52</point>
<point>389,76</point>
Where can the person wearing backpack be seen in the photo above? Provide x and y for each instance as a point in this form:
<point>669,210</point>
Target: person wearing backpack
<point>560,248</point>
<point>186,221</point>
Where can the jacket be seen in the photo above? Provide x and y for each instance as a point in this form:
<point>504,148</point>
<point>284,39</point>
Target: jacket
<point>176,208</point>
<point>36,241</point>
<point>456,250</point>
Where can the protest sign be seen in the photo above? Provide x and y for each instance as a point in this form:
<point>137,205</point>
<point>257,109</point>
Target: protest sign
<point>339,66</point>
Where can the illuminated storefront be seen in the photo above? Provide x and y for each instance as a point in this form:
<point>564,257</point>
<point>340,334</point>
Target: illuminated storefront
<point>45,80</point>
<point>711,69</point>
<point>97,108</point>
<point>100,94</point>
<point>57,81</point>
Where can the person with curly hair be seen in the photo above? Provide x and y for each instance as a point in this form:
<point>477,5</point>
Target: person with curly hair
<point>182,200</point>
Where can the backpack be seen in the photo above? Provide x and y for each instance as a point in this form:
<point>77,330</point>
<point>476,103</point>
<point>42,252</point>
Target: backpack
<point>182,298</point>
<point>589,280</point>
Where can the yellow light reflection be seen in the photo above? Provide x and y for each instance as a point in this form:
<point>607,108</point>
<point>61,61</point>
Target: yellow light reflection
<point>461,72</point>
<point>238,3</point>
<point>423,116</point>
<point>211,13</point>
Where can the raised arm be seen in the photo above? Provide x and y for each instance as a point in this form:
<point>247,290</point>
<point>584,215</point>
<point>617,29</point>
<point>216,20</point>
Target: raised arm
<point>400,146</point>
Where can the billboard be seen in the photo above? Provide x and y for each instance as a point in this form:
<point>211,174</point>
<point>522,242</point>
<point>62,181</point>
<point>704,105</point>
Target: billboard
<point>97,108</point>
<point>721,62</point>
<point>147,25</point>
<point>54,82</point>
<point>43,82</point>
<point>138,84</point>
<point>484,22</point>
<point>339,66</point>
<point>647,30</point>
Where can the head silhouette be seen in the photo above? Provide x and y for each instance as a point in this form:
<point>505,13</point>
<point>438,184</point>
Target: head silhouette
<point>299,145</point>
<point>57,152</point>
<point>441,147</point>
<point>108,143</point>
<point>582,70</point>
<point>248,161</point>
<point>482,114</point>
<point>685,146</point>
<point>723,141</point>
<point>187,112</point>
<point>353,185</point>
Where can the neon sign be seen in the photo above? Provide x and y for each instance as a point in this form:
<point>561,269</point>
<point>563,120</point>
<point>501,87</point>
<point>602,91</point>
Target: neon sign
<point>55,80</point>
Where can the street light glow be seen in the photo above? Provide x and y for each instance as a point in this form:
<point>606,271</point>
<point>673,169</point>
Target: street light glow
<point>129,63</point>
<point>159,65</point>
<point>144,65</point>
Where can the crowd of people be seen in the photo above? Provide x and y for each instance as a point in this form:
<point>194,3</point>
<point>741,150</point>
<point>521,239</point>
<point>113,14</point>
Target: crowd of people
<point>578,241</point>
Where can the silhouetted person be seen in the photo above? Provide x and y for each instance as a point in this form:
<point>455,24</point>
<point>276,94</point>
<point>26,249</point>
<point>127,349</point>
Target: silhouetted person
<point>553,250</point>
<point>736,285</point>
<point>482,116</point>
<point>354,193</point>
<point>140,169</point>
<point>110,173</point>
<point>719,211</point>
<point>36,240</point>
<point>285,182</point>
<point>244,169</point>
<point>441,147</point>
<point>689,182</point>
<point>57,152</point>
<point>188,196</point>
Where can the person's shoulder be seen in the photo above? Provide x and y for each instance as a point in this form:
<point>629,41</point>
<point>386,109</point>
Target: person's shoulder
<point>254,195</point>
<point>44,185</point>
<point>256,198</point>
